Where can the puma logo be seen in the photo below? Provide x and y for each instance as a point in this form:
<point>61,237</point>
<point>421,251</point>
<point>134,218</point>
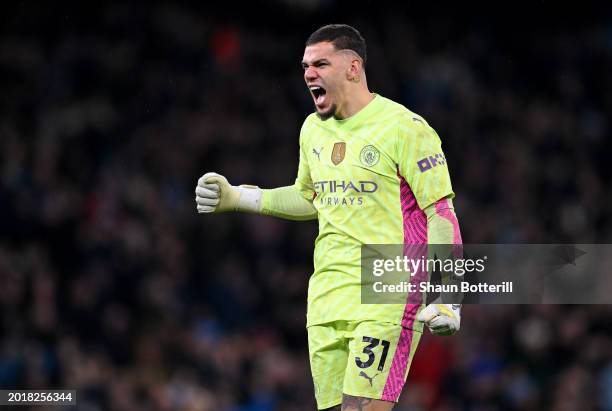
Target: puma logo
<point>367,377</point>
<point>318,153</point>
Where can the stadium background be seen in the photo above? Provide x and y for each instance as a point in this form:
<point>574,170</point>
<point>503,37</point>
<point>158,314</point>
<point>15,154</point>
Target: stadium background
<point>111,284</point>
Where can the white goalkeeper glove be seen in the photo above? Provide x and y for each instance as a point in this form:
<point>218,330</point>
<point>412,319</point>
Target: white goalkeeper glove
<point>214,194</point>
<point>441,319</point>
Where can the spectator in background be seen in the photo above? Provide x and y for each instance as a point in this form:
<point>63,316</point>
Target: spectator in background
<point>106,119</point>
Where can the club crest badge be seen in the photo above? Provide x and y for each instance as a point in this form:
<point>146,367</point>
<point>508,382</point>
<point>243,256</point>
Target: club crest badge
<point>369,156</point>
<point>338,153</point>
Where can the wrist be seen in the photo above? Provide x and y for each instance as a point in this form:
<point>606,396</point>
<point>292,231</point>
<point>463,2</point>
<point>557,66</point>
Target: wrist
<point>456,308</point>
<point>249,198</point>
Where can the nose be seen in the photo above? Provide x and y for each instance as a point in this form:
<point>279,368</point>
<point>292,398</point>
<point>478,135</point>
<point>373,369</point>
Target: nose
<point>310,73</point>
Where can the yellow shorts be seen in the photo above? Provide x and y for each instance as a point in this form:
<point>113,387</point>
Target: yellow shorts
<point>363,359</point>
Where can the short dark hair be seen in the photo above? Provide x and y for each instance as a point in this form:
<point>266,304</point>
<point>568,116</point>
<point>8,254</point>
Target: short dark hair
<point>343,37</point>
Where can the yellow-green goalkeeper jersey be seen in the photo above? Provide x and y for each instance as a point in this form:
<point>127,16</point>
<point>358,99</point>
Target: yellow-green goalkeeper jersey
<point>369,177</point>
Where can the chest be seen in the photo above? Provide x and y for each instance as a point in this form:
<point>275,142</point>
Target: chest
<point>350,156</point>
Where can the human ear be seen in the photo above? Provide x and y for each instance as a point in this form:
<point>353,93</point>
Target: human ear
<point>353,70</point>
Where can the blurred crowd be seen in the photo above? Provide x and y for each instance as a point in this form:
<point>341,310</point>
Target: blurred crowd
<point>113,285</point>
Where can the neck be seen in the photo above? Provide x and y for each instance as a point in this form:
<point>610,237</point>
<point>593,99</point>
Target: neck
<point>358,100</point>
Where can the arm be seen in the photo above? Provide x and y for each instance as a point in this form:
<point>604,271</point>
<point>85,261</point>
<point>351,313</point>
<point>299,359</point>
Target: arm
<point>422,163</point>
<point>288,203</point>
<point>442,224</point>
<point>442,228</point>
<point>214,194</point>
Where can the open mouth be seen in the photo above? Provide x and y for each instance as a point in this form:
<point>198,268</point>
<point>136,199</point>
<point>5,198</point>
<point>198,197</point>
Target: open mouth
<point>318,93</point>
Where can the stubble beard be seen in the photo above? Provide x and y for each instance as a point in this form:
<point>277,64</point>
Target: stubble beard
<point>329,113</point>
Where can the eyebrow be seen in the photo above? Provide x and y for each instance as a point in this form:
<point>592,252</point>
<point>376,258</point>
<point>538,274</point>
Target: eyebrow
<point>314,63</point>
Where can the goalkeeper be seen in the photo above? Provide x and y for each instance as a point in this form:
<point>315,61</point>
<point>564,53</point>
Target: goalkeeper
<point>372,172</point>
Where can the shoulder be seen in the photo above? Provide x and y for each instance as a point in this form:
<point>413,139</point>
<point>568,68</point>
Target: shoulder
<point>312,130</point>
<point>313,122</point>
<point>308,126</point>
<point>312,127</point>
<point>404,117</point>
<point>412,128</point>
<point>411,124</point>
<point>310,120</point>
